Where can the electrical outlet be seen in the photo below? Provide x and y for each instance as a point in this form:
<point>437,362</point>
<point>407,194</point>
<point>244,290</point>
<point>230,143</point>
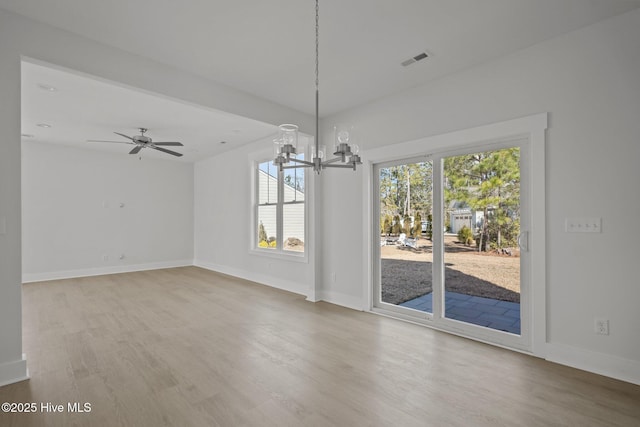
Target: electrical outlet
<point>601,326</point>
<point>583,225</point>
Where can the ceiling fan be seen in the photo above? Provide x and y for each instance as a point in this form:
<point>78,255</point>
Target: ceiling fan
<point>142,141</point>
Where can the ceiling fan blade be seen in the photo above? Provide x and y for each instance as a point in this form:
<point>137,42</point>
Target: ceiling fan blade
<point>122,134</point>
<point>173,153</point>
<point>136,150</point>
<point>115,142</point>
<point>175,144</point>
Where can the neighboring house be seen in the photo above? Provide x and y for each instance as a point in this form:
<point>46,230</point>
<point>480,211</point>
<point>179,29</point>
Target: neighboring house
<point>461,215</point>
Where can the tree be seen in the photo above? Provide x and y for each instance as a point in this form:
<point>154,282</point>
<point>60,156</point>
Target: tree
<point>396,225</point>
<point>387,223</point>
<point>262,233</point>
<point>429,227</point>
<point>488,182</point>
<point>406,225</point>
<point>417,225</point>
<point>295,181</point>
<point>406,189</point>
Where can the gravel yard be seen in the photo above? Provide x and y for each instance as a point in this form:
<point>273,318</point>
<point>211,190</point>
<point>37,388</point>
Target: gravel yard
<point>406,272</point>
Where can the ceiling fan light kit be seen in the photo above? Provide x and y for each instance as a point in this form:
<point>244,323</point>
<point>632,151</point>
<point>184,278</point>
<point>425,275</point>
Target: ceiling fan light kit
<point>142,141</point>
<point>286,144</point>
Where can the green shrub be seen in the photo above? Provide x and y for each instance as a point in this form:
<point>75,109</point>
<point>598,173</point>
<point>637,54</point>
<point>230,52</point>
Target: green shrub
<point>264,241</point>
<point>406,229</point>
<point>503,232</point>
<point>465,235</point>
<point>417,225</point>
<point>395,229</point>
<point>386,225</point>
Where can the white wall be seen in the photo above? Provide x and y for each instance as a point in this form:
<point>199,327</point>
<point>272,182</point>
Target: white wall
<point>20,36</point>
<point>12,365</point>
<point>589,82</point>
<point>224,227</point>
<point>71,214</point>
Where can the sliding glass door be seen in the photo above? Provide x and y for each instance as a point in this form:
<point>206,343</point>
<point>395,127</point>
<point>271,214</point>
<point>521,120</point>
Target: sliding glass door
<point>452,248</point>
<point>406,246</point>
<point>481,213</point>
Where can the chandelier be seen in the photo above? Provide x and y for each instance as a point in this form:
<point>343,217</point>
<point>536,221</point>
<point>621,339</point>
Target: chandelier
<point>286,144</point>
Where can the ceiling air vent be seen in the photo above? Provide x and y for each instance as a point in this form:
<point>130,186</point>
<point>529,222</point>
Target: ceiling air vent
<point>415,59</point>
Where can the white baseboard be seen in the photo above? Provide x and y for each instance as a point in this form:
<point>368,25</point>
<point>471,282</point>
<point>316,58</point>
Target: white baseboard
<point>274,282</point>
<point>99,271</point>
<point>13,372</point>
<point>337,298</point>
<point>599,363</point>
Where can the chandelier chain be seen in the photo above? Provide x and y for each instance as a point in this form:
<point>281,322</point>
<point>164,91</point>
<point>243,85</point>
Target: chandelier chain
<point>317,43</point>
<point>317,167</point>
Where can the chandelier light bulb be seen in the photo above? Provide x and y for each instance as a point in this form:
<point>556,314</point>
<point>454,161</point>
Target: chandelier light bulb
<point>320,153</point>
<point>343,137</point>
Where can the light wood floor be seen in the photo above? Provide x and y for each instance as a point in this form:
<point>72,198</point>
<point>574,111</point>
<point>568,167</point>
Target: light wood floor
<point>186,346</point>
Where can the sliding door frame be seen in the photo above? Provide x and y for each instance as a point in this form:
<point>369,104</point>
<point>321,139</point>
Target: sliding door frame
<point>530,129</point>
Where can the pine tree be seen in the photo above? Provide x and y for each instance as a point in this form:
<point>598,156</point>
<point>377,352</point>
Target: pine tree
<point>396,229</point>
<point>262,233</point>
<point>417,225</point>
<point>406,226</point>
<point>488,182</point>
<point>386,225</point>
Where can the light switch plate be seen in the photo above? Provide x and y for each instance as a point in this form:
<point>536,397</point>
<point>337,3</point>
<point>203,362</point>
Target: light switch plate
<point>583,225</point>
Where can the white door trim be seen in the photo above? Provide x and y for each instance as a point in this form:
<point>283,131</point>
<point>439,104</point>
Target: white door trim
<point>533,128</point>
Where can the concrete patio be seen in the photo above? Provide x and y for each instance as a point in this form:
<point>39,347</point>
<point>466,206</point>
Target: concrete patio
<point>491,313</point>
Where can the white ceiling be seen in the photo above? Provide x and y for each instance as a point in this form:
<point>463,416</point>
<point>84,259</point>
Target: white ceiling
<point>84,108</point>
<point>267,47</point>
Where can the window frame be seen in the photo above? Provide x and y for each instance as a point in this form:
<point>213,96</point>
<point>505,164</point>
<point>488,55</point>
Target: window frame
<point>278,251</point>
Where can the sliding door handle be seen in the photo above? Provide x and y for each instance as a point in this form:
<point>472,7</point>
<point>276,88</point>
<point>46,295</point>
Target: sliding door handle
<point>523,241</point>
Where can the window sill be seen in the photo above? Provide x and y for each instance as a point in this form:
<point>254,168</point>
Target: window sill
<point>285,256</point>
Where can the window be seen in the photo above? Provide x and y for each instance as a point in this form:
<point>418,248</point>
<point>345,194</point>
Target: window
<point>280,209</point>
